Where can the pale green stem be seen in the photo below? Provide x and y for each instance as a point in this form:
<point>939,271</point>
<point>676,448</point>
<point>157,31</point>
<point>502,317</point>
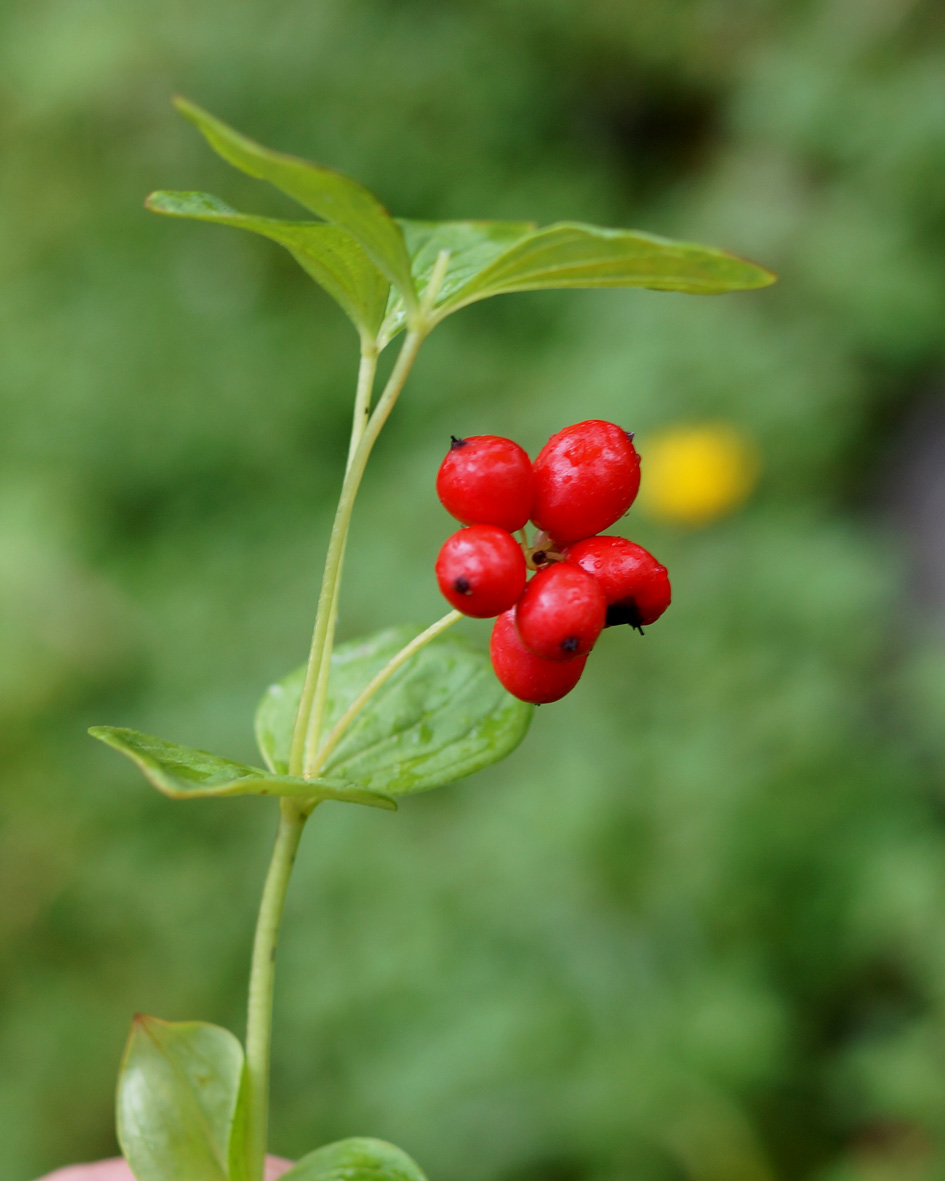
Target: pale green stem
<point>359,422</point>
<point>362,399</point>
<point>314,691</point>
<point>337,731</point>
<point>261,978</point>
<point>335,556</point>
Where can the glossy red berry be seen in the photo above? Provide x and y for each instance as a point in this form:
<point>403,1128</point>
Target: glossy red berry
<point>487,480</point>
<point>525,675</point>
<point>481,571</point>
<point>561,612</point>
<point>586,477</point>
<point>635,585</point>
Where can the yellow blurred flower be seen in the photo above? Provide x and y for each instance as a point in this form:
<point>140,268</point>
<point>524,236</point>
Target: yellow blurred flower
<point>695,474</point>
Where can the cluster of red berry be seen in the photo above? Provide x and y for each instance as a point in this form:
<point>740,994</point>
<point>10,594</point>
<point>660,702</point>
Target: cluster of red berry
<point>583,480</point>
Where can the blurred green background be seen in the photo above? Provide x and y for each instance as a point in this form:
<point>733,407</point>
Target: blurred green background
<point>695,927</point>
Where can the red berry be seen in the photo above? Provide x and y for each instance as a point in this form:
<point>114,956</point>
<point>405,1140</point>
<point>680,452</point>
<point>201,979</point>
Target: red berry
<point>487,480</point>
<point>635,585</point>
<point>586,477</point>
<point>481,571</point>
<point>525,675</point>
<point>561,613</point>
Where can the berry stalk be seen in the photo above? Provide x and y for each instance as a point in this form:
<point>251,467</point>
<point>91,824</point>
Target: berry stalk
<point>377,681</point>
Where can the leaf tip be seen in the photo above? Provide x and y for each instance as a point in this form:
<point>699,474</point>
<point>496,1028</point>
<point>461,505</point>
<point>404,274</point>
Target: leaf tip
<point>766,277</point>
<point>142,1023</point>
<point>188,109</point>
<point>757,276</point>
<point>194,113</point>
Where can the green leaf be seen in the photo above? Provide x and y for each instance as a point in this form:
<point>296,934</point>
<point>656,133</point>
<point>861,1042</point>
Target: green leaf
<point>178,1092</point>
<point>357,1159</point>
<point>440,717</point>
<point>330,255</point>
<point>570,254</point>
<point>472,246</point>
<point>328,194</point>
<point>367,248</point>
<point>184,773</point>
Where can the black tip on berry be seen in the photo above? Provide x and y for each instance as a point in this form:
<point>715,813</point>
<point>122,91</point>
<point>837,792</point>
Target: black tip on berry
<point>571,644</point>
<point>455,443</point>
<point>539,557</point>
<point>630,435</point>
<point>461,586</point>
<point>624,613</point>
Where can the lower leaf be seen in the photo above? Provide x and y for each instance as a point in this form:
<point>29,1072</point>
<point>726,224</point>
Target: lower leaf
<point>357,1159</point>
<point>184,773</point>
<point>441,716</point>
<point>178,1096</point>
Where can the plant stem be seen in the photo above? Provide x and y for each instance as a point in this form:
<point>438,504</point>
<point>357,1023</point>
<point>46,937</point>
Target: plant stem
<point>262,974</point>
<point>315,690</point>
<point>362,399</point>
<point>359,422</point>
<point>365,428</point>
<point>380,678</point>
<point>362,405</point>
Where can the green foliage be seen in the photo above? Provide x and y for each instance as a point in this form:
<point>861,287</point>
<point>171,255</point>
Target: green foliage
<point>472,247</point>
<point>571,255</point>
<point>358,1159</point>
<point>333,258</point>
<point>368,249</point>
<point>439,718</point>
<point>181,1108</point>
<point>336,198</point>
<point>178,1096</point>
<point>183,773</point>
